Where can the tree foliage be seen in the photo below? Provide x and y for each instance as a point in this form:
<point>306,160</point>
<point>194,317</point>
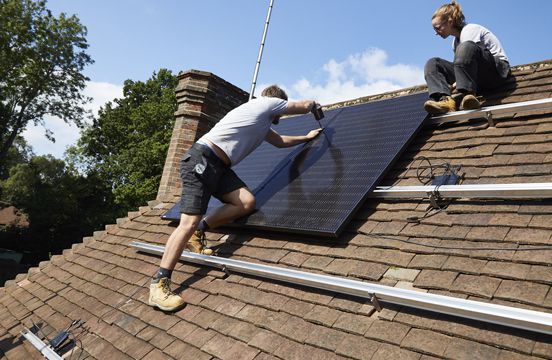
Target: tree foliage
<point>62,206</point>
<point>127,143</point>
<point>41,60</point>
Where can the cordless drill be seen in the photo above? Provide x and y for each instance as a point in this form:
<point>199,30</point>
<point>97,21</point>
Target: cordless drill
<point>316,110</point>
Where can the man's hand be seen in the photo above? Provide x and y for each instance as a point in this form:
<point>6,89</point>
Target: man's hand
<point>453,86</point>
<point>313,133</point>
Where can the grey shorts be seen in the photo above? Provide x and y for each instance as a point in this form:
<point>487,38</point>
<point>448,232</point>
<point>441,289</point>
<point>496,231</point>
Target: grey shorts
<point>204,175</point>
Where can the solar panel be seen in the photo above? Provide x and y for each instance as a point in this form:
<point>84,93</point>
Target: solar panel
<point>315,188</point>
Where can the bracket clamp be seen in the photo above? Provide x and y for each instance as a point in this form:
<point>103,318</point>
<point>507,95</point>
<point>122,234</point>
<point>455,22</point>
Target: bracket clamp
<point>489,117</point>
<point>375,302</point>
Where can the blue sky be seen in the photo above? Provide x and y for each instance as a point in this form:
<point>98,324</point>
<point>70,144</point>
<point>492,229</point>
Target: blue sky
<point>322,49</point>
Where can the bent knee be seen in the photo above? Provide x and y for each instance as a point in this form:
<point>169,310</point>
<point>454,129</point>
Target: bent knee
<point>189,221</point>
<point>249,203</point>
<point>431,65</point>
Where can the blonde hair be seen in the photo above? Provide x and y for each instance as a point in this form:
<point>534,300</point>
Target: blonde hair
<point>274,91</point>
<point>453,12</point>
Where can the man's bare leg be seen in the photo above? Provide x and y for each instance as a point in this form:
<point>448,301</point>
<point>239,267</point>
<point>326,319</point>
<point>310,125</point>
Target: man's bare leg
<point>161,295</point>
<point>237,203</point>
<point>178,239</point>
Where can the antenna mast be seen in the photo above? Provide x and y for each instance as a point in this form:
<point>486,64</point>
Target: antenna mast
<point>261,50</point>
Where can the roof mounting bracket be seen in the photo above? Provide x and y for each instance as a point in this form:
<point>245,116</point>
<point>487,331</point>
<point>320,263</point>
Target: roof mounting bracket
<point>226,272</point>
<point>375,302</point>
<point>489,117</point>
<point>434,199</point>
<point>531,320</point>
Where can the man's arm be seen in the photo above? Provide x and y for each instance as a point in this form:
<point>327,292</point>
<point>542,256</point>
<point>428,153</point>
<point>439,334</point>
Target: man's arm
<point>298,107</point>
<point>282,141</point>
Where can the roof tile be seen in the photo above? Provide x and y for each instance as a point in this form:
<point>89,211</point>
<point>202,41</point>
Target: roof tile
<point>323,315</point>
<point>325,338</point>
<point>428,342</point>
<point>184,351</point>
<point>386,351</point>
<point>266,341</point>
<point>468,350</point>
<point>357,347</point>
<point>506,270</point>
<point>387,331</point>
<point>530,236</point>
<point>353,323</point>
<point>483,286</point>
<point>522,291</point>
<point>435,279</point>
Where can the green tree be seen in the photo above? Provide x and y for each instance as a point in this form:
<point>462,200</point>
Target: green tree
<point>61,205</point>
<point>41,60</point>
<point>19,152</point>
<point>127,144</point>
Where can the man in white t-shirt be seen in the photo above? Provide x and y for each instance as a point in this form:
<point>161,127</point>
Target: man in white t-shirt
<point>480,63</point>
<point>206,171</point>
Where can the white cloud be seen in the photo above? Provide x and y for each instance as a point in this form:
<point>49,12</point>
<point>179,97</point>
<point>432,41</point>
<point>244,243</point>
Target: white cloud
<point>65,134</point>
<point>358,75</point>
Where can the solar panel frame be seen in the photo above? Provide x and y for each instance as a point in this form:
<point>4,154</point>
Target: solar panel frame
<point>297,188</point>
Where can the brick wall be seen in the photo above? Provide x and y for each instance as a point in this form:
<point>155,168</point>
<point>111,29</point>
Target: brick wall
<point>203,99</point>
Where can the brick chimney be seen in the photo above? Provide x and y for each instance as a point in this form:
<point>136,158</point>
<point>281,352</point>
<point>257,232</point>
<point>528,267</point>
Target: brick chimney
<point>203,99</point>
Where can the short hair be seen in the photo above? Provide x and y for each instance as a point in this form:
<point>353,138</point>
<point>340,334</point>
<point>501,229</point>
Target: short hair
<point>453,12</point>
<point>274,91</point>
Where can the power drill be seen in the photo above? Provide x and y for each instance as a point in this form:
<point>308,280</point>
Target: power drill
<point>316,110</point>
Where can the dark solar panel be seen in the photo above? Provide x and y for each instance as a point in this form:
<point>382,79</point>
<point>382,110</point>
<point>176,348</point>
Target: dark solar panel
<point>315,188</point>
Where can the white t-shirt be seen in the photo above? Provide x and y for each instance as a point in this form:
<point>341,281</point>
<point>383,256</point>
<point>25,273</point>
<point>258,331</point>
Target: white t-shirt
<point>243,129</point>
<point>480,34</point>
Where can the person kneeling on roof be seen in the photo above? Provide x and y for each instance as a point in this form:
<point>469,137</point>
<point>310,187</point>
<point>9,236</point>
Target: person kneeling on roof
<point>206,171</point>
<point>480,63</point>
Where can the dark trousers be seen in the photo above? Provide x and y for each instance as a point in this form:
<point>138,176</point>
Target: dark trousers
<point>474,69</point>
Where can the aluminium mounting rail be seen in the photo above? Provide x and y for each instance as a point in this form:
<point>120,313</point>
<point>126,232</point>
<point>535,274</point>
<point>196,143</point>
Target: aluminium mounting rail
<point>490,111</point>
<point>486,191</point>
<point>498,314</point>
<point>45,350</point>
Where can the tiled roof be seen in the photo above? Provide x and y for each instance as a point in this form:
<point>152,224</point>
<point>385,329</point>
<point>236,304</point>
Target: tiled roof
<point>477,250</point>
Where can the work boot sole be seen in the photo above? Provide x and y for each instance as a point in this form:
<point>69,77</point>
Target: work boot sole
<point>471,103</point>
<point>434,110</point>
<point>164,308</point>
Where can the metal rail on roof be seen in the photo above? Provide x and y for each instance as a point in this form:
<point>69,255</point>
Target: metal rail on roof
<point>44,349</point>
<point>490,111</point>
<point>498,314</point>
<point>487,191</point>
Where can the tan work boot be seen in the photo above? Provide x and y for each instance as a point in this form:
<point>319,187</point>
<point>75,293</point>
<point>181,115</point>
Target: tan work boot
<point>196,244</point>
<point>443,106</point>
<point>470,102</point>
<point>163,298</point>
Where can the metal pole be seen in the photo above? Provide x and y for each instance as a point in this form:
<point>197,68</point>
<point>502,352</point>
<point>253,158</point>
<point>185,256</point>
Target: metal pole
<point>479,191</point>
<point>488,112</point>
<point>498,314</point>
<point>261,50</point>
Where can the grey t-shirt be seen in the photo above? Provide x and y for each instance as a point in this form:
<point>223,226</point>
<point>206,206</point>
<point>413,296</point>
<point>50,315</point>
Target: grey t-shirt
<point>480,34</point>
<point>243,129</point>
